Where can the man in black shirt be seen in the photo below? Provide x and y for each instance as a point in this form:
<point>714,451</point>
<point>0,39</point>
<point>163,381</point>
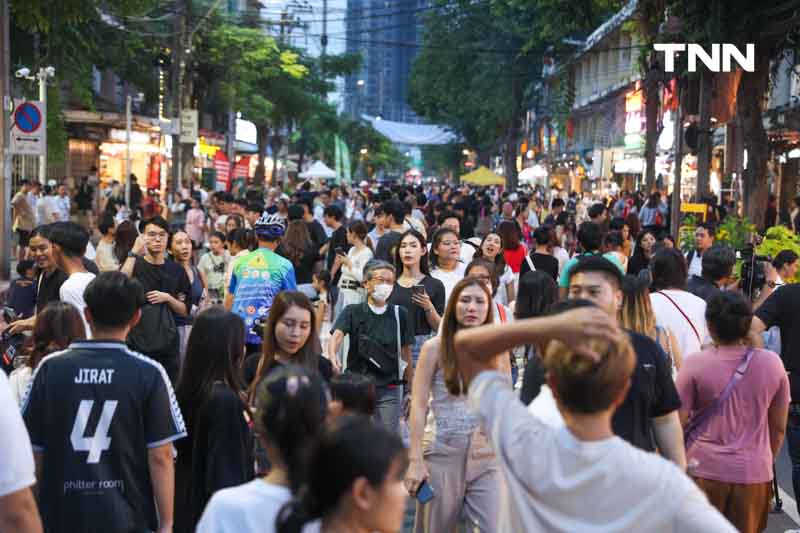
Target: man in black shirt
<point>334,217</point>
<point>166,286</point>
<point>782,308</point>
<point>102,420</point>
<point>395,217</point>
<point>373,329</point>
<point>315,229</point>
<point>718,263</point>
<point>557,216</point>
<point>650,410</point>
<point>540,257</point>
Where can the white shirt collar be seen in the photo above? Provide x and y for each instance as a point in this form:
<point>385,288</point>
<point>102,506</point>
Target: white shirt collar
<point>378,310</point>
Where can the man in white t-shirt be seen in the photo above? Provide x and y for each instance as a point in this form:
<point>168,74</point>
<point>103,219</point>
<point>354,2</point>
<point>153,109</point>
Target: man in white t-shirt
<point>69,244</point>
<point>18,511</point>
<point>703,240</point>
<point>676,309</point>
<point>580,477</point>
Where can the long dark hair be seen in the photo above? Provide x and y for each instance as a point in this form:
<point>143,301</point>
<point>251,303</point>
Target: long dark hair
<point>510,233</point>
<point>307,355</point>
<point>214,353</point>
<point>537,292</point>
<point>124,239</point>
<point>57,325</point>
<point>297,241</point>
<point>339,458</point>
<point>638,251</point>
<point>423,260</point>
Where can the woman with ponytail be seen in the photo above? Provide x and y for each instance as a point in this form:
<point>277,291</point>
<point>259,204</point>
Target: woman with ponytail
<point>291,405</point>
<point>350,487</point>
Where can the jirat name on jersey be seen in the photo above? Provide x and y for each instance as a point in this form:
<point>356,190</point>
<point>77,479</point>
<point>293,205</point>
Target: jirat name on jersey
<point>94,376</point>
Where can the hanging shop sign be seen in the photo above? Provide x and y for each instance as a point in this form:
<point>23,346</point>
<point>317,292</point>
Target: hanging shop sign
<point>223,168</point>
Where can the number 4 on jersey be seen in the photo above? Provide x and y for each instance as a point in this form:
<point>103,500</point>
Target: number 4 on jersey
<point>100,441</point>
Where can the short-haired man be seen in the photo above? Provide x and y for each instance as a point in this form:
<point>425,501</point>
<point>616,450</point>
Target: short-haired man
<point>69,241</point>
<point>557,216</point>
<point>592,378</point>
<point>648,418</point>
<point>24,219</point>
<point>166,286</point>
<point>102,420</point>
<point>394,225</point>
<point>374,333</point>
<point>334,220</point>
<point>703,240</point>
<point>541,257</point>
<point>257,277</point>
<point>718,263</point>
<point>590,238</point>
<point>785,265</point>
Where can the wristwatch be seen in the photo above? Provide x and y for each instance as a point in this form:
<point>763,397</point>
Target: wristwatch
<point>133,255</point>
<point>771,284</point>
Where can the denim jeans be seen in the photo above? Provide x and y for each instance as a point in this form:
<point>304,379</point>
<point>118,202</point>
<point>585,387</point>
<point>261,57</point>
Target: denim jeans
<point>388,401</point>
<point>793,444</point>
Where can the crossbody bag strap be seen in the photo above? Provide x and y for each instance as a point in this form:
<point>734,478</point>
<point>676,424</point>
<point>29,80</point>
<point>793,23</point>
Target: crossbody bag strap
<point>698,421</point>
<point>401,365</point>
<point>530,262</point>
<point>678,307</point>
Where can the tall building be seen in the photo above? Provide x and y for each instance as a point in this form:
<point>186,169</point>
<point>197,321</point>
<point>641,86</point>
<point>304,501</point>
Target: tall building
<point>386,33</point>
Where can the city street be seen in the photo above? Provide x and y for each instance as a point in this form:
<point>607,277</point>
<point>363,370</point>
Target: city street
<point>788,519</point>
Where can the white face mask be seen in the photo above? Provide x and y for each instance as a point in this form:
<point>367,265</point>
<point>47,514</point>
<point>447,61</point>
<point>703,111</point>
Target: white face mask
<point>381,292</point>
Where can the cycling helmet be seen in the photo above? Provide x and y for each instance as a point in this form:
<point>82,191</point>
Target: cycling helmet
<point>270,227</point>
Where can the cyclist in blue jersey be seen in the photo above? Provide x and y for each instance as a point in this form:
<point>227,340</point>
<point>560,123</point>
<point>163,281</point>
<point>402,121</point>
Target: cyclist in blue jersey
<point>259,276</point>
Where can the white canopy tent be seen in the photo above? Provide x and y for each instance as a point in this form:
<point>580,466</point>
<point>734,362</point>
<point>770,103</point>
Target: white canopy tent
<point>318,170</point>
<point>412,134</point>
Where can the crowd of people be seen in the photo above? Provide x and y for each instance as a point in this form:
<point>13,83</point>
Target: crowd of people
<point>397,358</point>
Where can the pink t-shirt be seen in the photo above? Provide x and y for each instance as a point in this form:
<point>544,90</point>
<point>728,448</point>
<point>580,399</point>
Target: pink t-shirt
<point>733,446</point>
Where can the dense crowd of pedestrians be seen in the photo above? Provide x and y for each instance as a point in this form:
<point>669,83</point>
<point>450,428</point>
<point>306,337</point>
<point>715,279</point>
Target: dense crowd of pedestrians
<point>404,358</point>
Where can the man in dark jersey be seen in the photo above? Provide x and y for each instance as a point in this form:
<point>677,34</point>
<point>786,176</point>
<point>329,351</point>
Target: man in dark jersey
<point>102,420</point>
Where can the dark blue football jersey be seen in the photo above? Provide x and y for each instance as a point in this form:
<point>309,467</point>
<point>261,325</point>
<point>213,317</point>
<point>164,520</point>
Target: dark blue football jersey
<point>93,411</point>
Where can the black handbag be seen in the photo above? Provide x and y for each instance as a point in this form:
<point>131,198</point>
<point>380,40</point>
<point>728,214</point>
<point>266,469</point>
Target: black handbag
<point>156,334</point>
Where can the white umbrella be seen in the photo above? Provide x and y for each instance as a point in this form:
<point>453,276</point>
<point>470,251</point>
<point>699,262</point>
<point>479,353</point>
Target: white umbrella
<point>318,170</point>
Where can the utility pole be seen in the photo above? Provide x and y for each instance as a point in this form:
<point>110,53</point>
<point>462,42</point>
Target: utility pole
<point>128,102</point>
<point>179,72</point>
<point>675,206</point>
<point>5,153</point>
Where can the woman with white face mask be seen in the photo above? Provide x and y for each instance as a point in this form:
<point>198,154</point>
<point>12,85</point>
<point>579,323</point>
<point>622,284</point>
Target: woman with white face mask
<point>381,336</point>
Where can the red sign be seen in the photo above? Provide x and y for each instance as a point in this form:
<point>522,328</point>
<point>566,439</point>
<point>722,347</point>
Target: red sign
<point>223,168</point>
<point>242,168</point>
<point>154,177</point>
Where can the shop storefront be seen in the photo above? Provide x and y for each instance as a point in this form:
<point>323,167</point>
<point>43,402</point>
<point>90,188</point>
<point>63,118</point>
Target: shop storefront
<point>144,152</point>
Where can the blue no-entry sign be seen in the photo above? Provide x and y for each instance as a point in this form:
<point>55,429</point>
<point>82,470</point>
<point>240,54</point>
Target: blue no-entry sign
<point>27,117</point>
<point>29,130</point>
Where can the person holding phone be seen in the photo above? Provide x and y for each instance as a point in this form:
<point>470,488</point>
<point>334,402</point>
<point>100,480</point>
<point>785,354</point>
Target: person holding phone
<point>421,294</point>
<point>455,473</point>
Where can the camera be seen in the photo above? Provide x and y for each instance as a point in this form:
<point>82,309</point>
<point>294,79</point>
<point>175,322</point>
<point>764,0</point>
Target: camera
<point>753,274</point>
<point>258,327</point>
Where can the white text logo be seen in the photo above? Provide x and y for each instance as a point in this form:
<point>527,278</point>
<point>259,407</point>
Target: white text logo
<point>718,61</point>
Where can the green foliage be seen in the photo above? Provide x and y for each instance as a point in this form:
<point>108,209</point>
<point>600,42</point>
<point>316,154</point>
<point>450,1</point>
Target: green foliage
<point>686,236</point>
<point>777,239</point>
<point>735,232</point>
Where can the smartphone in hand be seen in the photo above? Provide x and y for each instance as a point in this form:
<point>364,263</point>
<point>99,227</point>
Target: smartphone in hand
<point>418,289</point>
<point>425,492</point>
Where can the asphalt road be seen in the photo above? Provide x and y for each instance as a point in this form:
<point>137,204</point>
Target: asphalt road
<point>788,519</point>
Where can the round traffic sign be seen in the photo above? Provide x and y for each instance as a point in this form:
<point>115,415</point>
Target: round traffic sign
<point>27,117</point>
